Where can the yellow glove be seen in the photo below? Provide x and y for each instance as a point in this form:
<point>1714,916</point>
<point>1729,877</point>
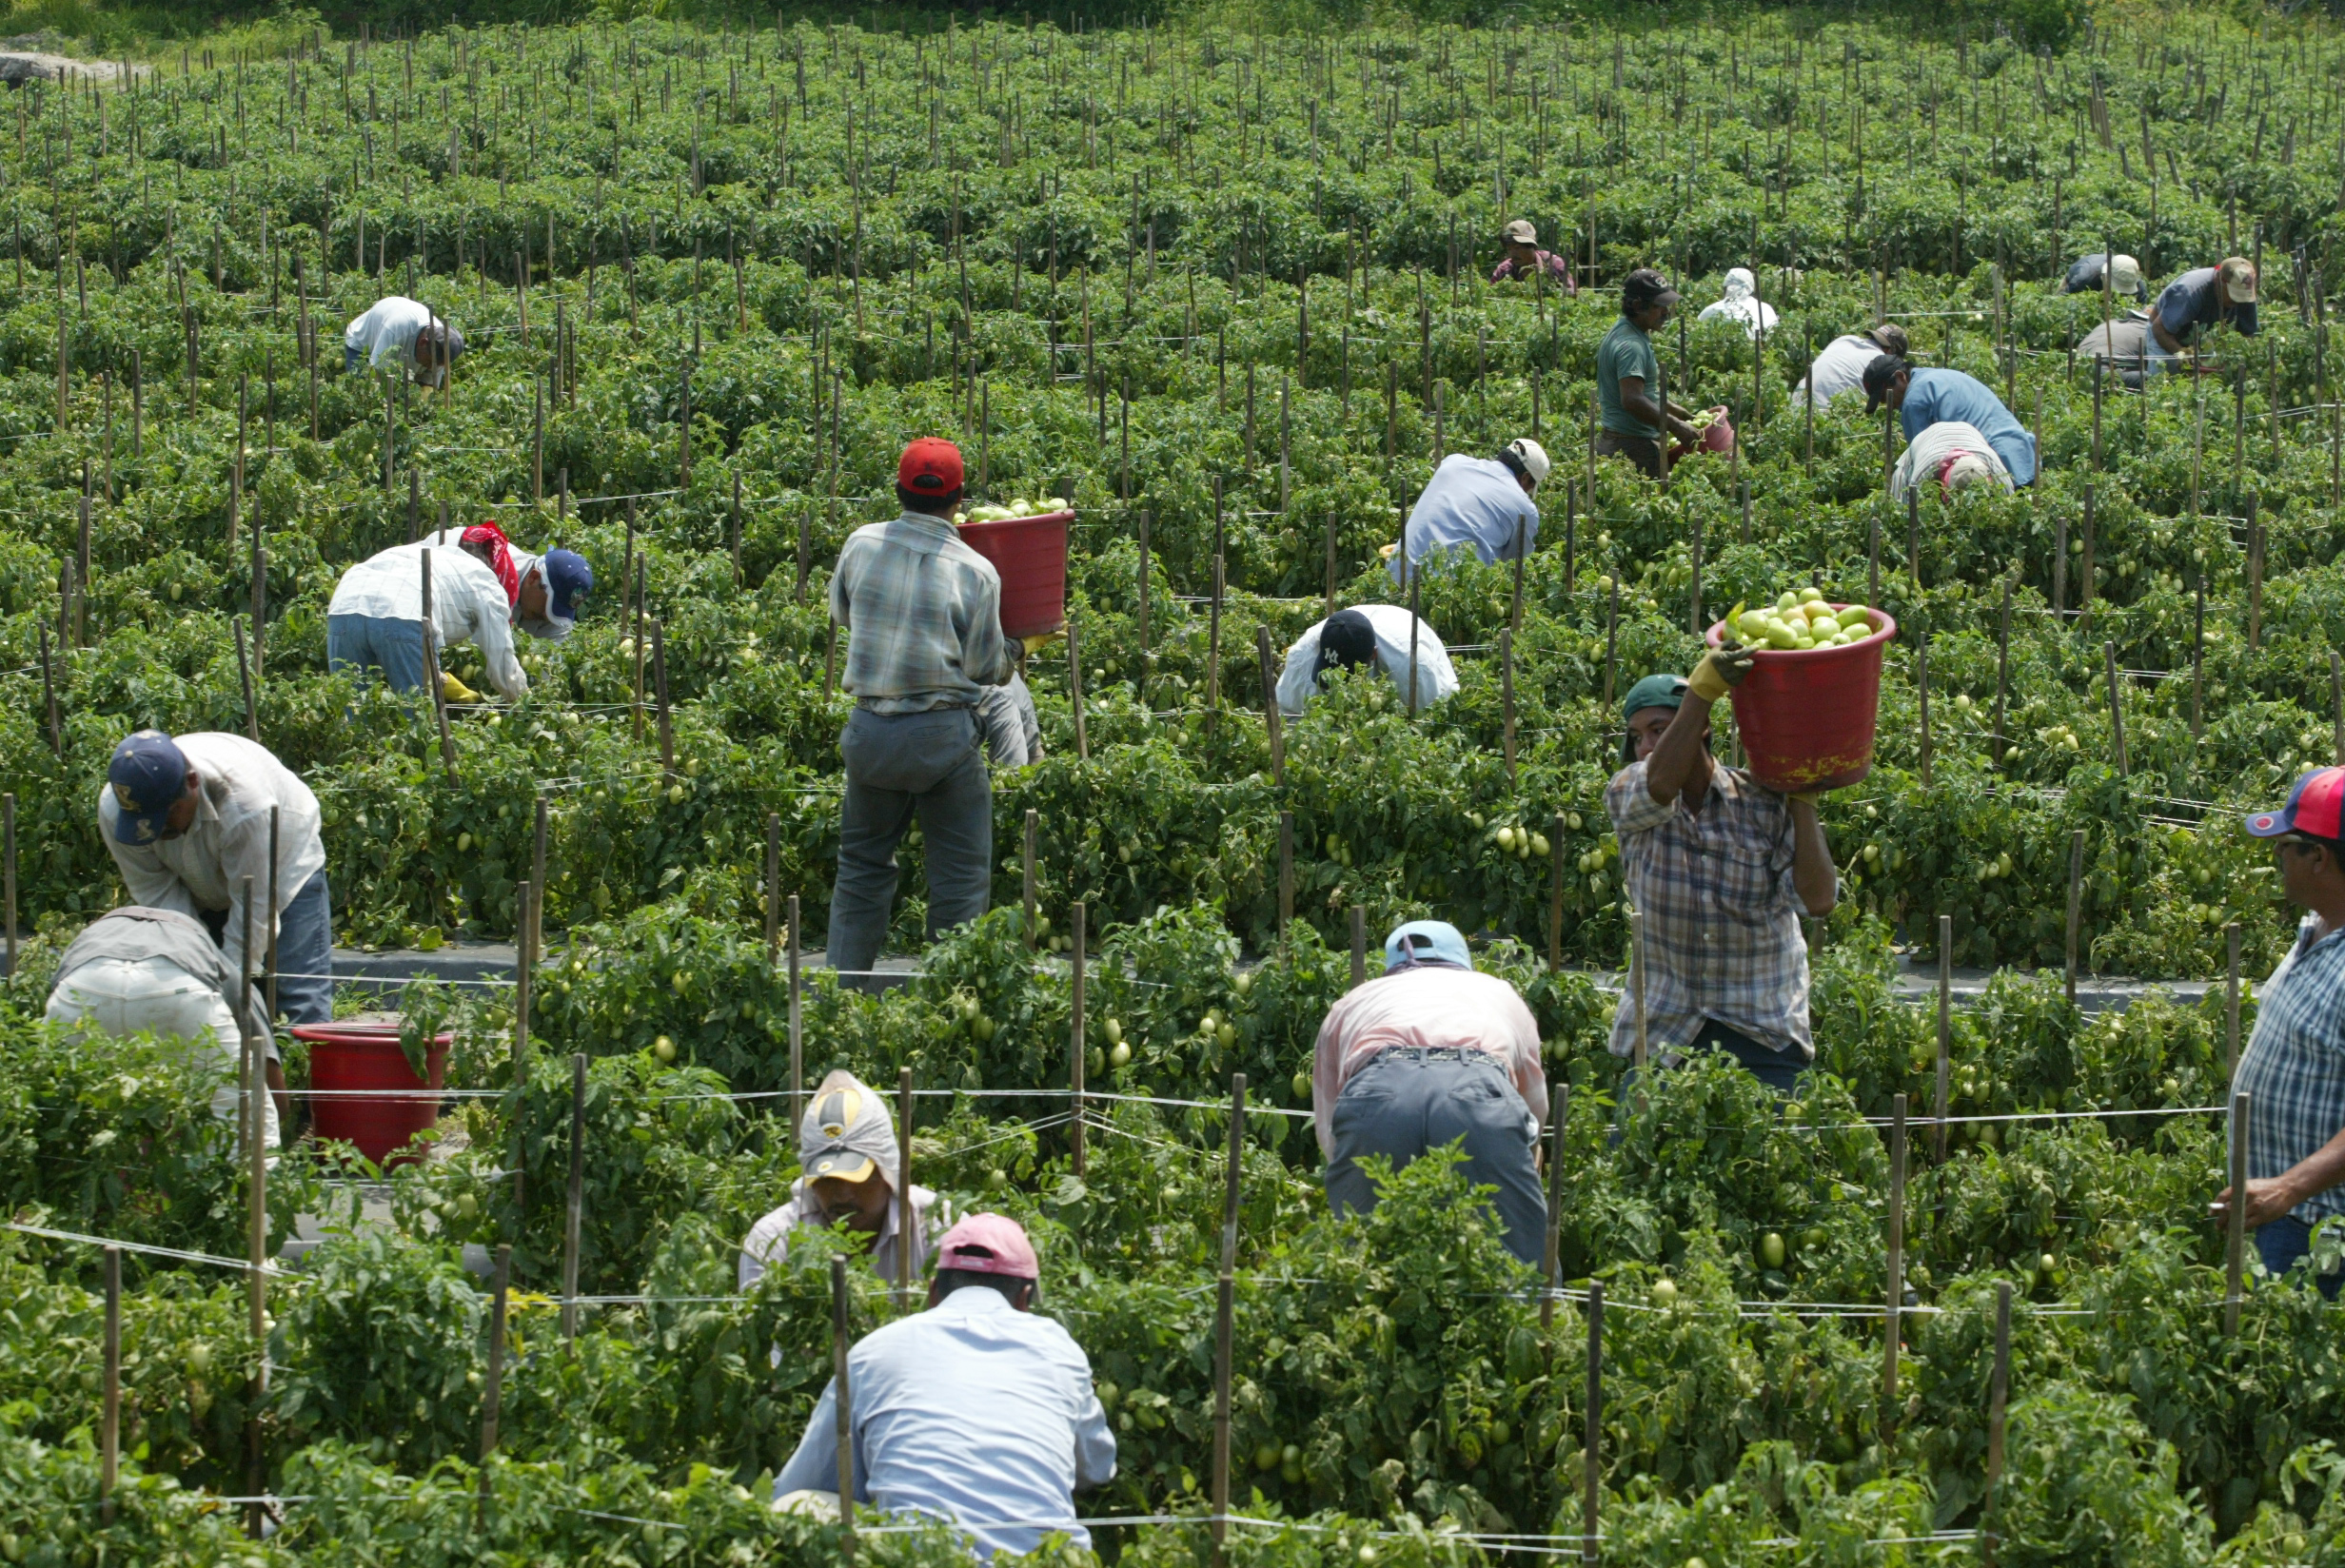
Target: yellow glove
<point>453,690</point>
<point>1719,671</point>
<point>1035,644</point>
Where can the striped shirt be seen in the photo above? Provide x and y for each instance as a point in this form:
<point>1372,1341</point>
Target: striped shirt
<point>2294,1068</point>
<point>1721,913</point>
<point>923,611</point>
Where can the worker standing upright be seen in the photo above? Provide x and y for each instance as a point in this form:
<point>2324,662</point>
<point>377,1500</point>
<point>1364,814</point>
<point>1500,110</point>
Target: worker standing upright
<point>922,612</point>
<point>1628,391</point>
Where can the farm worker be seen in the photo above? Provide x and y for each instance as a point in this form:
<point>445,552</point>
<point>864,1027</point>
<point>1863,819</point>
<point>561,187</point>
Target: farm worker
<point>1524,259</point>
<point>407,330</point>
<point>2121,343</point>
<point>1427,1054</point>
<point>137,971</point>
<point>375,619</point>
<point>1012,729</point>
<point>1480,504</point>
<point>1954,454</point>
<point>187,821</point>
<point>1740,302</point>
<point>2292,1070</point>
<point>922,611</point>
<point>1367,635</point>
<point>848,1166</point>
<point>2121,273</point>
<point>1722,871</point>
<point>2203,298</point>
<point>1840,364</point>
<point>1924,398</point>
<point>974,1410</point>
<point>543,591</point>
<point>1628,394</point>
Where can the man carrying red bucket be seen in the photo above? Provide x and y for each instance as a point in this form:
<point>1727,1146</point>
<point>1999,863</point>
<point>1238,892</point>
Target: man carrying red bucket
<point>1721,869</point>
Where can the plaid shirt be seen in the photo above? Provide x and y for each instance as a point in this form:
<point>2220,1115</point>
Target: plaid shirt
<point>924,613</point>
<point>2294,1068</point>
<point>1721,913</point>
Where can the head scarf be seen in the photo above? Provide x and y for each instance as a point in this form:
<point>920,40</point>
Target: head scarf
<point>489,539</point>
<point>847,1132</point>
<point>1961,468</point>
<point>1740,283</point>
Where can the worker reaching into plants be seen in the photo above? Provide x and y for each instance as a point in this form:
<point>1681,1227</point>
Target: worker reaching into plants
<point>1954,454</point>
<point>1721,869</point>
<point>542,591</point>
<point>375,619</point>
<point>396,327</point>
<point>1933,395</point>
<point>1433,1054</point>
<point>1483,504</point>
<point>975,1410</point>
<point>2292,1070</point>
<point>2122,274</point>
<point>1362,637</point>
<point>2121,343</point>
<point>2199,300</point>
<point>1740,302</point>
<point>848,1163</point>
<point>1635,411</point>
<point>187,821</point>
<point>1524,259</point>
<point>136,970</point>
<point>1840,364</point>
<point>922,611</point>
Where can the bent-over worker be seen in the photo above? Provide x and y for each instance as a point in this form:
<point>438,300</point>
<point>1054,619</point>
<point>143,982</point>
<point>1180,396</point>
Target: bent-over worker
<point>1740,302</point>
<point>2196,302</point>
<point>1840,364</point>
<point>1364,636</point>
<point>1633,408</point>
<point>396,327</point>
<point>1721,870</point>
<point>1483,504</point>
<point>2122,274</point>
<point>1954,454</point>
<point>187,821</point>
<point>136,970</point>
<point>974,1411</point>
<point>848,1169</point>
<point>2122,344</point>
<point>1426,1055</point>
<point>375,619</point>
<point>1924,398</point>
<point>2292,1070</point>
<point>1524,261</point>
<point>922,612</point>
<point>543,591</point>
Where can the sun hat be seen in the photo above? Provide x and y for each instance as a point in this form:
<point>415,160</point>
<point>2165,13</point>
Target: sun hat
<point>1521,232</point>
<point>1890,337</point>
<point>1419,941</point>
<point>2315,806</point>
<point>149,775</point>
<point>1964,468</point>
<point>989,1244</point>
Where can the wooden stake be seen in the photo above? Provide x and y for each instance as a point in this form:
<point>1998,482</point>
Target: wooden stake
<point>1945,1031</point>
<point>2235,1217</point>
<point>798,1022</point>
<point>574,1203</point>
<point>2116,709</point>
<point>844,1431</point>
<point>1897,1259</point>
<point>1272,719</point>
<point>1359,941</point>
<point>1078,934</point>
<point>1032,822</point>
<point>244,675</point>
<point>2076,908</point>
<point>1551,1247</point>
<point>49,691</point>
<point>907,1221</point>
<point>659,693</point>
<point>1224,1314</point>
<point>1592,1441</point>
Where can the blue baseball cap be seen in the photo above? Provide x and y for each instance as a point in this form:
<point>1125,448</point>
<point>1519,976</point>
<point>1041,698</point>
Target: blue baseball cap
<point>567,575</point>
<point>1433,941</point>
<point>148,774</point>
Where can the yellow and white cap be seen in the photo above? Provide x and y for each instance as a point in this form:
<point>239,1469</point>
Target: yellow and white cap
<point>846,1134</point>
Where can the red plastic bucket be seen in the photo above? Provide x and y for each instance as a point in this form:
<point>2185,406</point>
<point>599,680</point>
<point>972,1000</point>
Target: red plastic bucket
<point>1030,555</point>
<point>366,1057</point>
<point>1717,436</point>
<point>1807,716</point>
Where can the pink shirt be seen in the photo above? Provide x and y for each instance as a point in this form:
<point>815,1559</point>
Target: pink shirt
<point>1429,1006</point>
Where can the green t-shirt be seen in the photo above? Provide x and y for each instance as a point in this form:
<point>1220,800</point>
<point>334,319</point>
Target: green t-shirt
<point>1627,351</point>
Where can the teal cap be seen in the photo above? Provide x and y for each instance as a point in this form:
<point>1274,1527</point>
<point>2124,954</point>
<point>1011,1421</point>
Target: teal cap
<point>1653,692</point>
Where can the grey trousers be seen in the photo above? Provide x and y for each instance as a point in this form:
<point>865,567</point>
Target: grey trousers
<point>1407,1101</point>
<point>900,766</point>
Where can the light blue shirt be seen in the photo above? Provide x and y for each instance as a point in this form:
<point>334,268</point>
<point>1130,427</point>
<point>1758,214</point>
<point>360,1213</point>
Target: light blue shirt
<point>1938,397</point>
<point>1470,501</point>
<point>972,1411</point>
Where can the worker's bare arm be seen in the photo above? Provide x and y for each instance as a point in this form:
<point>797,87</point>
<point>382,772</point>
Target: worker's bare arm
<point>1683,754</point>
<point>1812,872</point>
<point>1641,405</point>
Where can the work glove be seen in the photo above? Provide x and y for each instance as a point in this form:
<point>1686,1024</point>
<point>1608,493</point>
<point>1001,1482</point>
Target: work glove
<point>453,690</point>
<point>1721,670</point>
<point>1035,644</point>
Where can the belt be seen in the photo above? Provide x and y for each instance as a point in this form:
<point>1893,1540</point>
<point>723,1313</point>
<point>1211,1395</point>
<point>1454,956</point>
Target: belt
<point>1430,1053</point>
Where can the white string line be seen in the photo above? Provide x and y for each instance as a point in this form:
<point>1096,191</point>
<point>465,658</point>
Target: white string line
<point>270,1267</point>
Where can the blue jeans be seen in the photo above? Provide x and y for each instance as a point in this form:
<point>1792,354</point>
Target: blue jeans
<point>305,950</point>
<point>376,642</point>
<point>2282,1242</point>
<point>1781,1070</point>
<point>1405,1100</point>
<point>900,766</point>
<point>353,359</point>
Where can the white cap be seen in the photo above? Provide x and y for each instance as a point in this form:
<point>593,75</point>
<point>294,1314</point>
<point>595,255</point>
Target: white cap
<point>2124,275</point>
<point>1533,456</point>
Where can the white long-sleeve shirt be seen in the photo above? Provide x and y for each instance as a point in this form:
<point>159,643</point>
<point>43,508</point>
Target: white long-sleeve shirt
<point>1742,303</point>
<point>1436,676</point>
<point>1838,367</point>
<point>389,329</point>
<point>971,1411</point>
<point>204,867</point>
<point>468,603</point>
<point>1937,442</point>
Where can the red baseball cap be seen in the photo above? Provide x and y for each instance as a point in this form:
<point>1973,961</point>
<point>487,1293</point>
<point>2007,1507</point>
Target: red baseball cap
<point>989,1244</point>
<point>2315,806</point>
<point>931,467</point>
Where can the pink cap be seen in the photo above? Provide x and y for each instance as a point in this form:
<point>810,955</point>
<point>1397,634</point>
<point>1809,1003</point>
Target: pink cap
<point>989,1244</point>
